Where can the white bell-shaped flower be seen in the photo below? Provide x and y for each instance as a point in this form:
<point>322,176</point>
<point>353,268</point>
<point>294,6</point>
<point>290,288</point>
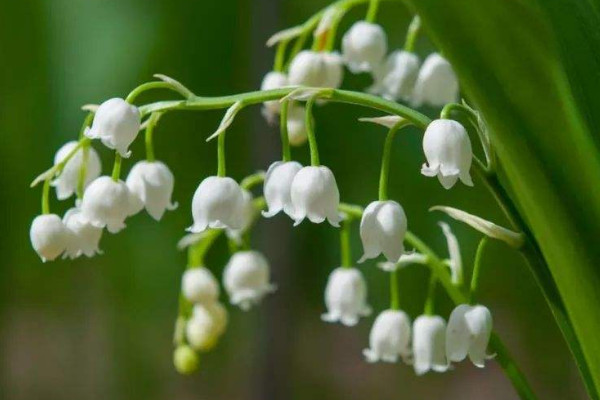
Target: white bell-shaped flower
<point>296,124</point>
<point>437,84</point>
<point>206,325</point>
<point>199,285</point>
<point>429,350</point>
<point>84,237</point>
<point>216,311</point>
<point>273,80</point>
<point>364,46</point>
<point>448,151</point>
<point>116,124</point>
<point>151,183</point>
<point>468,333</point>
<point>66,183</point>
<point>382,229</point>
<point>107,203</point>
<point>311,68</point>
<point>315,196</point>
<point>277,188</point>
<point>49,236</point>
<point>346,297</point>
<point>247,212</point>
<point>216,204</point>
<point>389,337</point>
<point>246,279</point>
<point>395,78</point>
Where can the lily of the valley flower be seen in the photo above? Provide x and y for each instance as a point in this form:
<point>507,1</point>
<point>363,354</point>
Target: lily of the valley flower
<point>277,187</point>
<point>382,229</point>
<point>107,203</point>
<point>315,196</point>
<point>199,285</point>
<point>437,84</point>
<point>246,279</point>
<point>364,46</point>
<point>66,182</point>
<point>316,69</point>
<point>395,78</point>
<point>151,183</point>
<point>429,350</point>
<point>83,236</point>
<point>296,124</point>
<point>389,337</point>
<point>116,124</point>
<point>346,297</point>
<point>273,80</point>
<point>448,151</point>
<point>469,330</point>
<point>49,236</point>
<point>216,204</point>
<point>207,324</point>
<point>246,212</point>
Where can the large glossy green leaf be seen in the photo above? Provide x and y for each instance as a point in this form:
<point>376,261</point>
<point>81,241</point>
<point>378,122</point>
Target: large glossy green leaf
<point>544,113</point>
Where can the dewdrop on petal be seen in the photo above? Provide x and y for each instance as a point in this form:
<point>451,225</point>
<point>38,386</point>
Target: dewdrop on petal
<point>364,46</point>
<point>346,297</point>
<point>246,279</point>
<point>49,236</point>
<point>116,124</point>
<point>468,333</point>
<point>315,196</point>
<point>84,238</point>
<point>389,337</point>
<point>277,187</point>
<point>151,183</point>
<point>216,204</point>
<point>437,84</point>
<point>382,229</point>
<point>66,183</point>
<point>199,285</point>
<point>429,349</point>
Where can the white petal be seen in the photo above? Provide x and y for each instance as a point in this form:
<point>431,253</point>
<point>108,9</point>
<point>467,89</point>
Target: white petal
<point>458,335</point>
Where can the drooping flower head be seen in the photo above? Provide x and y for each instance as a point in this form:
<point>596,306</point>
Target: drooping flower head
<point>316,69</point>
<point>364,46</point>
<point>199,285</point>
<point>151,183</point>
<point>389,337</point>
<point>116,124</point>
<point>437,84</point>
<point>429,350</point>
<point>315,196</point>
<point>216,204</point>
<point>273,80</point>
<point>277,187</point>
<point>469,330</point>
<point>49,237</point>
<point>382,229</point>
<point>395,78</point>
<point>246,279</point>
<point>448,151</point>
<point>346,297</point>
<point>84,237</point>
<point>66,183</point>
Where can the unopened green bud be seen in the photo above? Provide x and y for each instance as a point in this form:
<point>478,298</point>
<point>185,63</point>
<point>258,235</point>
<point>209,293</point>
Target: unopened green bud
<point>186,360</point>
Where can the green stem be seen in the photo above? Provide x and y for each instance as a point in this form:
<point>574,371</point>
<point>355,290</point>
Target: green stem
<point>133,95</point>
<point>149,134</point>
<point>83,171</point>
<point>221,155</point>
<point>280,56</point>
<point>86,123</point>
<point>430,299</point>
<point>394,290</point>
<point>372,11</point>
<point>385,160</point>
<point>46,197</point>
<point>331,35</point>
<point>345,248</point>
<point>116,172</point>
<point>283,128</point>
<point>310,131</point>
<point>412,34</point>
<point>252,180</point>
<point>477,269</point>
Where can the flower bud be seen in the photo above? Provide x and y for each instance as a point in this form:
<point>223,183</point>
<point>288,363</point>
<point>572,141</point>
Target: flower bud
<point>469,330</point>
<point>48,235</point>
<point>272,80</point>
<point>106,203</point>
<point>246,279</point>
<point>151,183</point>
<point>382,229</point>
<point>277,188</point>
<point>395,79</point>
<point>201,332</point>
<point>315,196</point>
<point>296,124</point>
<point>84,237</point>
<point>437,84</point>
<point>389,337</point>
<point>216,312</point>
<point>346,297</point>
<point>198,285</point>
<point>428,344</point>
<point>448,151</point>
<point>216,204</point>
<point>310,68</point>
<point>186,360</point>
<point>66,183</point>
<point>116,124</point>
<point>364,46</point>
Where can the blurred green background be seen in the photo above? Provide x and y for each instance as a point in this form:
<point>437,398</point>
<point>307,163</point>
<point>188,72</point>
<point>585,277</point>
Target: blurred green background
<point>101,328</point>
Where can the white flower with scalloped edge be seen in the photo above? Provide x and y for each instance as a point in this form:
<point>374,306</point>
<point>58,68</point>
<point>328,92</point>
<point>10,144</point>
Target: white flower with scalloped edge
<point>389,337</point>
<point>316,69</point>
<point>272,80</point>
<point>199,285</point>
<point>216,204</point>
<point>395,78</point>
<point>468,333</point>
<point>66,183</point>
<point>116,124</point>
<point>107,203</point>
<point>277,187</point>
<point>151,183</point>
<point>49,236</point>
<point>346,296</point>
<point>315,196</point>
<point>382,229</point>
<point>84,238</point>
<point>429,350</point>
<point>364,46</point>
<point>447,148</point>
<point>246,279</point>
<point>437,84</point>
